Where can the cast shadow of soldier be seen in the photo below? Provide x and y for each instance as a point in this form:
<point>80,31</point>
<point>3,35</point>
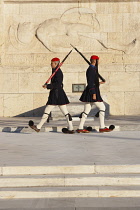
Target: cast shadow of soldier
<point>38,112</point>
<point>31,113</point>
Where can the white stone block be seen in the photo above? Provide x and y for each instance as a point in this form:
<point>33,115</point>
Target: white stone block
<point>132,103</point>
<point>108,22</point>
<point>1,105</point>
<point>40,99</point>
<point>9,83</point>
<point>15,104</point>
<point>128,81</point>
<point>32,82</point>
<point>116,102</point>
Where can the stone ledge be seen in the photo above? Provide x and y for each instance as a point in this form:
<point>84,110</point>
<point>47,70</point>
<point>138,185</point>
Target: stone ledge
<point>64,181</point>
<point>78,169</point>
<point>42,1</point>
<point>95,192</point>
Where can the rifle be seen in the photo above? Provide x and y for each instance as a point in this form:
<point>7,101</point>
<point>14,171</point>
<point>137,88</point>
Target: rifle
<point>88,62</point>
<point>58,68</point>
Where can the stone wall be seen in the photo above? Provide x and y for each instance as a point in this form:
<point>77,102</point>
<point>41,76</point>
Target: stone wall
<point>32,32</point>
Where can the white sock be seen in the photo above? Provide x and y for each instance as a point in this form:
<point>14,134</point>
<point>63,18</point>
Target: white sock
<point>64,110</point>
<point>44,118</point>
<point>87,108</point>
<point>101,107</point>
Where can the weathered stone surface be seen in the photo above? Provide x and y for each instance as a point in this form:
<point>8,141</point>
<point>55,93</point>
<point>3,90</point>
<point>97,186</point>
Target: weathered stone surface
<point>32,82</point>
<point>40,100</point>
<point>68,81</point>
<point>122,7</point>
<point>45,69</point>
<point>108,22</point>
<point>70,68</point>
<point>1,105</point>
<point>102,8</point>
<point>128,81</point>
<point>9,83</point>
<point>132,103</point>
<point>15,104</point>
<point>112,68</point>
<point>11,9</point>
<point>19,60</point>
<point>110,58</point>
<point>132,67</point>
<point>105,88</point>
<point>131,22</point>
<point>9,69</point>
<point>116,103</point>
<point>131,59</point>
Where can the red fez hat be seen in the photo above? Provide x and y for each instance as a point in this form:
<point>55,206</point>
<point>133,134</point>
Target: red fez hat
<point>94,57</point>
<point>55,59</point>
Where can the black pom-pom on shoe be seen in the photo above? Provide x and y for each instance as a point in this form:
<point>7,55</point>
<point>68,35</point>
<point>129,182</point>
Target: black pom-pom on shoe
<point>89,128</point>
<point>31,123</point>
<point>64,130</point>
<point>111,127</point>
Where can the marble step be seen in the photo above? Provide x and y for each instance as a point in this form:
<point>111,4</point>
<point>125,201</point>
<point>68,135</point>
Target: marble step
<point>70,192</point>
<point>76,169</point>
<point>78,180</point>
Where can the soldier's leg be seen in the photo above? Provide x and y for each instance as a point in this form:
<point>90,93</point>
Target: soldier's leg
<point>101,107</point>
<point>83,116</point>
<point>45,116</point>
<point>64,110</point>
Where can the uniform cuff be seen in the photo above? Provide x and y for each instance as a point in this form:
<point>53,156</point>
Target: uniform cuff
<point>49,86</point>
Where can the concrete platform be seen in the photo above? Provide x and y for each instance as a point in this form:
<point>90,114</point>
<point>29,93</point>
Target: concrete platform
<point>111,203</point>
<point>58,149</point>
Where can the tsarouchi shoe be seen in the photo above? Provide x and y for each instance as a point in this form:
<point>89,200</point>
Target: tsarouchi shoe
<point>82,131</point>
<point>31,124</point>
<point>101,130</point>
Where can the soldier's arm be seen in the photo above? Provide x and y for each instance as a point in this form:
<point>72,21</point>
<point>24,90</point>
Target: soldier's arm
<point>91,81</point>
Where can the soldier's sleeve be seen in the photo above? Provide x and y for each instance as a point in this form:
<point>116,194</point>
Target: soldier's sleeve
<point>49,86</point>
<point>91,80</point>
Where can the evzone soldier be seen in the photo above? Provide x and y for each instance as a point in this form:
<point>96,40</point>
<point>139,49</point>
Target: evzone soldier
<point>57,97</point>
<point>91,95</point>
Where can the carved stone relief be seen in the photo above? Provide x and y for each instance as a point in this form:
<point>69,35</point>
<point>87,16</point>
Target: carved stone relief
<point>56,34</point>
<point>77,26</point>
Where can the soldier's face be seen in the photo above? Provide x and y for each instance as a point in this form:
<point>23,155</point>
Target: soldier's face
<point>53,64</point>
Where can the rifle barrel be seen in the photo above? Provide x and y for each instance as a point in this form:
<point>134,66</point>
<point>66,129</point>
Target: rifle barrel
<point>87,61</point>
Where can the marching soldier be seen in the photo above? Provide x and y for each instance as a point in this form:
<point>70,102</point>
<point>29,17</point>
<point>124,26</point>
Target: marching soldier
<point>92,95</point>
<point>57,97</point>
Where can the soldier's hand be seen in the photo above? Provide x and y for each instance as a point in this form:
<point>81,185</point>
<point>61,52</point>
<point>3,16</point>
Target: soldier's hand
<point>94,96</point>
<point>101,82</point>
<point>44,86</point>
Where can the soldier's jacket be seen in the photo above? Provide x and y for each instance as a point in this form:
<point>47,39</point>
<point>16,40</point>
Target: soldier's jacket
<point>57,95</point>
<point>92,86</point>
